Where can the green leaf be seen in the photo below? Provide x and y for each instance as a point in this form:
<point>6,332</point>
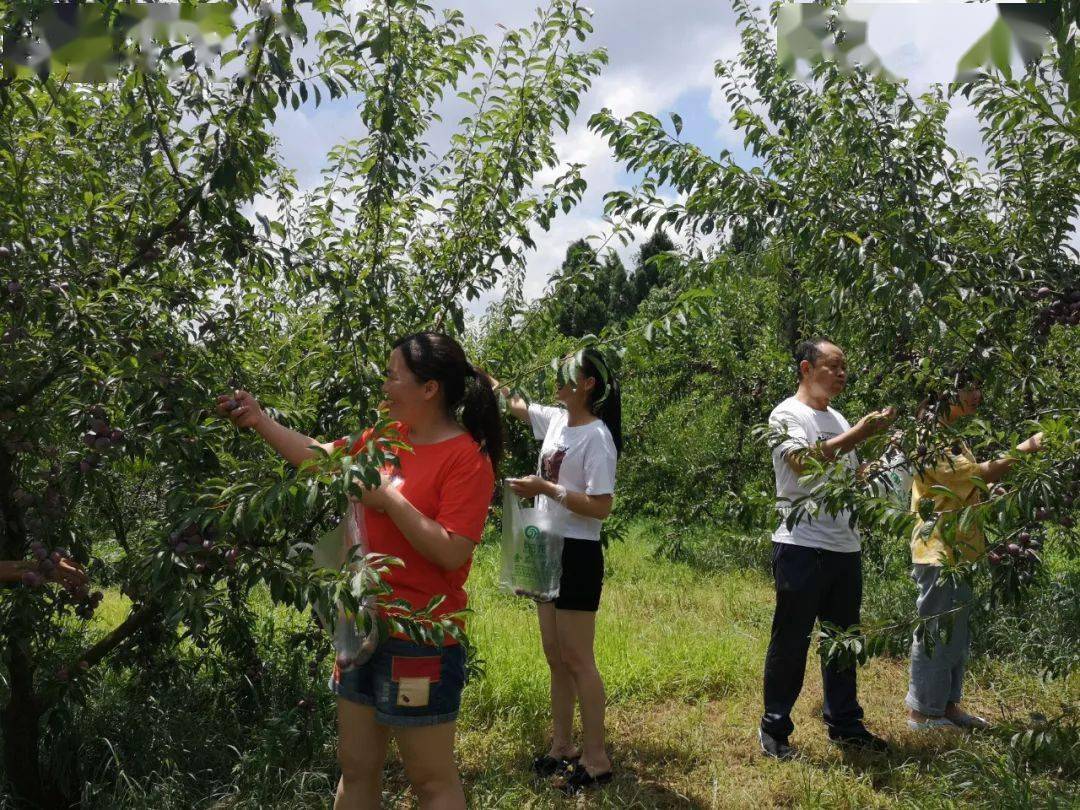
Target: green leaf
<point>1001,46</point>
<point>379,45</point>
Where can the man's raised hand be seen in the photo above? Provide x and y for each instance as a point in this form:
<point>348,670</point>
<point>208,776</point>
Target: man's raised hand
<point>876,421</point>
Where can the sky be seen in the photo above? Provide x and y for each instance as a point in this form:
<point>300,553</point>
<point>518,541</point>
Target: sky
<point>661,58</point>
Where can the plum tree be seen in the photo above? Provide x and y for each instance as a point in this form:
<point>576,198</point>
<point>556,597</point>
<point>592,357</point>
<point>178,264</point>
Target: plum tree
<point>132,267</point>
<point>870,228</point>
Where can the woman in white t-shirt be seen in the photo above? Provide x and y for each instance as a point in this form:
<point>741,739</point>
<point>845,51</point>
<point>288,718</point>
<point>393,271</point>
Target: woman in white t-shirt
<point>576,481</point>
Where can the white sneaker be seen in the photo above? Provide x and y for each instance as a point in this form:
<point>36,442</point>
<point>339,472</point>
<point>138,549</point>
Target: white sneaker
<point>931,724</point>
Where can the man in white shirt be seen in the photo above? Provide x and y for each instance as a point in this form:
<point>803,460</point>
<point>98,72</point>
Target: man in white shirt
<point>817,563</point>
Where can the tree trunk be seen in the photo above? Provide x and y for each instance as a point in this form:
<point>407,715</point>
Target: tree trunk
<point>20,722</point>
<point>791,327</point>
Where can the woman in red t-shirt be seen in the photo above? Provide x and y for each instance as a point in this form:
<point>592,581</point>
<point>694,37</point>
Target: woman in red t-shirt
<point>432,519</point>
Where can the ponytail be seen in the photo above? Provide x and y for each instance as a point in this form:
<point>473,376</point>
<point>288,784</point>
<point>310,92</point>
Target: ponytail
<point>606,397</point>
<point>480,416</point>
<point>466,391</point>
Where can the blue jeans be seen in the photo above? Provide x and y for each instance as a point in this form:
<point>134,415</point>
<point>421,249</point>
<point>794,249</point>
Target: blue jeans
<point>407,684</point>
<point>937,669</point>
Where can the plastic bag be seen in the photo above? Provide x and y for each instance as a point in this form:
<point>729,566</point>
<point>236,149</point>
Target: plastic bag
<point>531,551</point>
<point>896,479</point>
<point>352,647</point>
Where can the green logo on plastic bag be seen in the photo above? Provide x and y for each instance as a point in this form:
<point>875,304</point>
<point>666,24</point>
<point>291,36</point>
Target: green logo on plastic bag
<point>532,532</point>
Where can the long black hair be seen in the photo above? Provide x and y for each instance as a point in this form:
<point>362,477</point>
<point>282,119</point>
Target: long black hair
<point>605,400</point>
<point>466,390</point>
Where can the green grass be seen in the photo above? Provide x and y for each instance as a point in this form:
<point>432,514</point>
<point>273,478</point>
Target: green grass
<point>663,633</point>
<point>681,652</point>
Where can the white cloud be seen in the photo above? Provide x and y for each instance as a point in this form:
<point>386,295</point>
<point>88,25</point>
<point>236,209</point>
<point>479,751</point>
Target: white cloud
<point>924,42</point>
<point>658,54</point>
<point>964,134</point>
<point>306,136</point>
<point>655,56</point>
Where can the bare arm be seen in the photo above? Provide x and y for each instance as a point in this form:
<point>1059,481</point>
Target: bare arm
<point>12,570</point>
<point>293,446</point>
<point>67,572</point>
<point>993,471</point>
<point>827,450</point>
<point>516,405</point>
<point>447,550</point>
<point>870,425</point>
<point>580,503</point>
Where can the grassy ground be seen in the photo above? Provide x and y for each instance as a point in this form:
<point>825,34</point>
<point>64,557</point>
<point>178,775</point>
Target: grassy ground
<point>681,653</point>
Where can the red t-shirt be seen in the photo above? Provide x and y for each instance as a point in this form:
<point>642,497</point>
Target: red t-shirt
<point>450,482</point>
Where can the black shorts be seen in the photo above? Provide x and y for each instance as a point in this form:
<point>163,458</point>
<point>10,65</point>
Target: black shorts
<point>582,575</point>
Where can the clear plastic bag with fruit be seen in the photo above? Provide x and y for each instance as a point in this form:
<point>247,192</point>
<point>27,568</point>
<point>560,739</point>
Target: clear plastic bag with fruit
<point>531,551</point>
<point>353,646</point>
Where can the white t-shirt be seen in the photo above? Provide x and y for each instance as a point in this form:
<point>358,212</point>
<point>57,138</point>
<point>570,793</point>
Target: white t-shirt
<point>805,426</point>
<point>580,458</point>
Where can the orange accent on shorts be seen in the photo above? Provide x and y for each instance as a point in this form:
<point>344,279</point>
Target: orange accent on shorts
<point>404,666</point>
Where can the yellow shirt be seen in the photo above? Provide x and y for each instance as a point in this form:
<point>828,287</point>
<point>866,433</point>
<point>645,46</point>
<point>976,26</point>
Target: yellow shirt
<point>955,472</point>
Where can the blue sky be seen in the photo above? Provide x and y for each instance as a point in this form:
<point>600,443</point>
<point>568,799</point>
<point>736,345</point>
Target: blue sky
<point>661,59</point>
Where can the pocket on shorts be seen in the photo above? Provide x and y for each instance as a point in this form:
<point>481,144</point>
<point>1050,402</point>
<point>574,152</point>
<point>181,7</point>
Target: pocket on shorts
<point>421,682</point>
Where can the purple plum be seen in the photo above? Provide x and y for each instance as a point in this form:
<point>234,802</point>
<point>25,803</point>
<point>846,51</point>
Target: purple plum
<point>31,579</point>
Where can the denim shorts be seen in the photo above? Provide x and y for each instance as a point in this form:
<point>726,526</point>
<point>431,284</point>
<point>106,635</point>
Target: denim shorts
<point>407,684</point>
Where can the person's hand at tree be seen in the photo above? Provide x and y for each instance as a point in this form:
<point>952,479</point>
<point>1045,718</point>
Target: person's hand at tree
<point>378,498</point>
<point>1032,444</point>
<point>993,471</point>
<point>66,572</point>
<point>242,409</point>
<point>516,405</point>
<point>875,422</point>
<point>69,574</point>
<point>871,424</point>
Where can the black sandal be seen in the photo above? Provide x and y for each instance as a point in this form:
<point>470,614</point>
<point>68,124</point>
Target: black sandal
<point>578,779</point>
<point>548,765</point>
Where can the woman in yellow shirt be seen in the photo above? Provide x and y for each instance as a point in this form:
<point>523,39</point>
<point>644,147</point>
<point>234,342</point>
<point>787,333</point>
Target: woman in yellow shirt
<point>937,675</point>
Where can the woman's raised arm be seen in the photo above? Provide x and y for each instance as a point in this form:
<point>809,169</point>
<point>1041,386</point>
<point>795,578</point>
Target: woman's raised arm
<point>244,411</point>
<point>516,405</point>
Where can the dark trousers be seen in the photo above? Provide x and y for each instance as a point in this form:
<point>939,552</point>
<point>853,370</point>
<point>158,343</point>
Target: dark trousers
<point>810,584</point>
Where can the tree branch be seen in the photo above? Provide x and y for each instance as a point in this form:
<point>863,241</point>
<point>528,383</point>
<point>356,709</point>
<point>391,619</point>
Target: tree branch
<point>132,624</point>
<point>36,387</point>
<point>161,133</point>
